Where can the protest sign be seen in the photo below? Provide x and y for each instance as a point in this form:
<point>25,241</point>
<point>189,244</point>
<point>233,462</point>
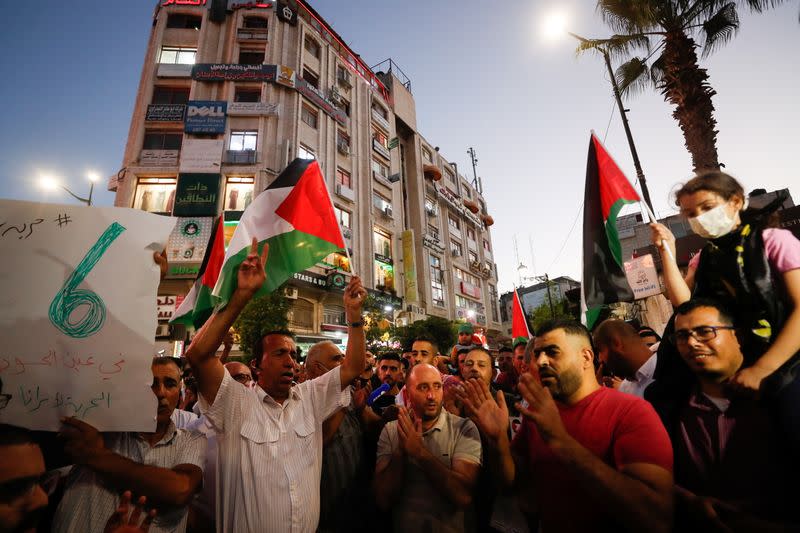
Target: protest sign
<point>642,276</point>
<point>77,314</point>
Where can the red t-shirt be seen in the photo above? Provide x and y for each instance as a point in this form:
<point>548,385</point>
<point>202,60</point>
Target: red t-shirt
<point>619,428</point>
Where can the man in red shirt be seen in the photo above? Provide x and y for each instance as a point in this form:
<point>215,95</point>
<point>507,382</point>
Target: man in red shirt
<point>596,459</point>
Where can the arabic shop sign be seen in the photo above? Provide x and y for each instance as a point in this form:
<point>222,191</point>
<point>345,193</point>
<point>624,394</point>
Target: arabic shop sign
<point>382,299</point>
<point>234,72</point>
<point>313,94</point>
<point>432,243</point>
<point>165,112</point>
<point>205,117</point>
<point>166,306</point>
<point>196,195</point>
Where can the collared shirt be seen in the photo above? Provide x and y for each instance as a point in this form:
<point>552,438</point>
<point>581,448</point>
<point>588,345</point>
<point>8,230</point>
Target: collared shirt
<point>421,507</point>
<point>270,454</point>
<point>89,500</point>
<point>642,379</point>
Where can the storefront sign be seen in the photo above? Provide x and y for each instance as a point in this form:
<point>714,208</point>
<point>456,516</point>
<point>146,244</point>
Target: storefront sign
<point>234,72</point>
<point>409,266</point>
<point>166,306</point>
<point>159,158</point>
<point>313,94</point>
<point>287,11</point>
<point>642,276</point>
<point>165,112</point>
<point>336,280</point>
<point>233,5</point>
<point>196,3</point>
<point>432,243</point>
<point>188,241</point>
<point>286,76</point>
<point>201,155</point>
<point>205,117</point>
<point>470,290</point>
<point>382,299</point>
<point>253,109</point>
<point>196,195</point>
<point>383,259</point>
<point>310,279</point>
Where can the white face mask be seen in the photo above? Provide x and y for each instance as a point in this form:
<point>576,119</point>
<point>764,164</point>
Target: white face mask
<point>714,223</point>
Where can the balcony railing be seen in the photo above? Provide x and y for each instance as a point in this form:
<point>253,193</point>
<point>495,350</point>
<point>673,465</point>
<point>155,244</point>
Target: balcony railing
<point>240,157</point>
<point>252,34</point>
<point>381,149</point>
<point>380,120</point>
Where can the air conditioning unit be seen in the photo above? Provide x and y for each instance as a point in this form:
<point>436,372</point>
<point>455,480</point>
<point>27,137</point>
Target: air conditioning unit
<point>415,309</point>
<point>163,330</point>
<point>387,211</point>
<point>455,253</point>
<point>343,147</point>
<point>343,77</point>
<point>291,293</point>
<point>431,211</point>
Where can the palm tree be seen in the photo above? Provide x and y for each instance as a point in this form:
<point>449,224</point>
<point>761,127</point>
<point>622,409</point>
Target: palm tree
<point>666,30</point>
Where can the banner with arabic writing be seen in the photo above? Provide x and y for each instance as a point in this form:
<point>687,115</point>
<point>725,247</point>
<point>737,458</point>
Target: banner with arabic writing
<point>78,314</point>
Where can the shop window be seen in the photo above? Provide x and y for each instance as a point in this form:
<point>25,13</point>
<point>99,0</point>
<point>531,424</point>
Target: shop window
<point>239,192</point>
<point>155,195</point>
<point>333,315</point>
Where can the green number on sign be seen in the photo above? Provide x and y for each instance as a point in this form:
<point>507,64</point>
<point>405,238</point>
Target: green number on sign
<point>70,297</point>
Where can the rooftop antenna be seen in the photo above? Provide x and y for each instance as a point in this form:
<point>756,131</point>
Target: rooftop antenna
<point>530,247</point>
<point>520,266</point>
<point>474,158</point>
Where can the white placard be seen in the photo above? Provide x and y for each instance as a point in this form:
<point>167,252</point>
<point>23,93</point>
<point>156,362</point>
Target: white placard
<point>78,291</point>
<point>642,276</point>
<point>201,155</point>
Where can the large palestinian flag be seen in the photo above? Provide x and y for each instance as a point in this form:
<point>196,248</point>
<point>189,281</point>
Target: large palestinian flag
<point>607,192</point>
<point>295,216</point>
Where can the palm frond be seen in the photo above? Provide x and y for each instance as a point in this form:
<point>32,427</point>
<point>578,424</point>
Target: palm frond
<point>720,28</point>
<point>626,16</point>
<point>616,45</point>
<point>657,70</point>
<point>633,76</point>
<point>759,6</point>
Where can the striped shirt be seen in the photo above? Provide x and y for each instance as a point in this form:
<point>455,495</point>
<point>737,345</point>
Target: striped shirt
<point>89,501</point>
<point>270,454</point>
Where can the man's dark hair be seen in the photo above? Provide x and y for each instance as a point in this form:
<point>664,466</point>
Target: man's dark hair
<point>406,364</point>
<point>258,346</point>
<point>164,360</point>
<point>389,356</point>
<point>14,435</point>
<point>570,327</point>
<point>724,314</point>
<point>505,349</point>
<point>426,338</point>
<point>464,350</point>
<point>649,332</point>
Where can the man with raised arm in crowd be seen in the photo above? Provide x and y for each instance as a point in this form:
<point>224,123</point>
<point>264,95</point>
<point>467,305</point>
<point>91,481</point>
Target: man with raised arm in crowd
<point>165,466</point>
<point>270,445</point>
<point>428,461</point>
<point>597,459</point>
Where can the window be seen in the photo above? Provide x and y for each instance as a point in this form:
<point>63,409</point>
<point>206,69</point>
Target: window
<point>162,140</point>
<point>433,231</point>
<point>493,303</point>
<point>466,191</point>
<point>239,192</point>
<point>380,169</point>
<point>456,249</point>
<point>254,22</point>
<point>247,94</point>
<point>437,289</point>
<point>473,257</point>
<point>309,116</point>
<point>155,195</point>
<point>343,178</point>
<point>303,152</point>
<point>427,155</point>
<point>251,57</point>
<point>467,277</point>
<point>380,110</point>
<point>384,270</point>
<point>383,243</point>
<point>381,137</point>
<point>177,56</point>
<point>170,95</point>
<point>243,140</point>
<point>486,245</point>
<point>471,234</point>
<point>333,314</point>
<point>380,202</point>
<point>342,216</point>
<point>342,74</point>
<point>454,223</point>
<point>312,47</point>
<point>451,177</point>
<point>430,206</point>
<point>342,142</point>
<point>301,315</point>
<point>182,21</point>
<point>311,78</point>
<point>345,106</point>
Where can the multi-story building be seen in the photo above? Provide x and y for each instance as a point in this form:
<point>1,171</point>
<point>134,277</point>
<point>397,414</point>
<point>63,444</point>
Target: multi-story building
<point>231,92</point>
<point>553,291</point>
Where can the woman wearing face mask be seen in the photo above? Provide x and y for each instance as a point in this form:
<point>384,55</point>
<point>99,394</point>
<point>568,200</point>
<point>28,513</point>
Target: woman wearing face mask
<point>753,268</point>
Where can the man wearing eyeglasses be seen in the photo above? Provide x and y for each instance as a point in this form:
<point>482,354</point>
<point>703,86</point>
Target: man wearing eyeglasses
<point>240,372</point>
<point>732,469</point>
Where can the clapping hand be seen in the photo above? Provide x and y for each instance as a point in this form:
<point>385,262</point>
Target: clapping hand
<point>410,432</point>
<point>489,414</point>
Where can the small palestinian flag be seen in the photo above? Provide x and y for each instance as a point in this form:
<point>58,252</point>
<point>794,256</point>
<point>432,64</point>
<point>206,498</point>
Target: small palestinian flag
<point>198,304</point>
<point>607,192</point>
<point>519,324</point>
<point>295,216</point>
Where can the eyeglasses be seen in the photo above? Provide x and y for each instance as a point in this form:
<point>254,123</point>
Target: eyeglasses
<point>16,489</point>
<point>700,333</point>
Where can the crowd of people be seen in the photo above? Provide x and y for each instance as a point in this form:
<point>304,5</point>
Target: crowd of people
<point>622,429</point>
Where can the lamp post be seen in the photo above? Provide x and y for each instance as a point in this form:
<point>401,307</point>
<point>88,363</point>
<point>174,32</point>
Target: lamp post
<point>49,183</point>
<point>622,112</point>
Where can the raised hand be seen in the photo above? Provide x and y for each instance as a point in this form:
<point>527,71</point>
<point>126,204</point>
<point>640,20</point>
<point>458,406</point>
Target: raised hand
<point>354,296</point>
<point>410,432</point>
<point>541,409</point>
<point>251,275</point>
<point>122,522</point>
<point>662,237</point>
<point>489,414</point>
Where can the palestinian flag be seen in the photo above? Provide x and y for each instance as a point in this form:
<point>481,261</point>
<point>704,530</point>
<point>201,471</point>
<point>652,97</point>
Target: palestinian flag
<point>198,304</point>
<point>295,216</point>
<point>607,192</point>
<point>519,324</point>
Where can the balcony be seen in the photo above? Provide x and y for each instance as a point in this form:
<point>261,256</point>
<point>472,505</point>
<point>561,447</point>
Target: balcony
<point>380,120</point>
<point>252,34</point>
<point>240,157</point>
<point>159,158</point>
<point>381,149</point>
<point>173,70</point>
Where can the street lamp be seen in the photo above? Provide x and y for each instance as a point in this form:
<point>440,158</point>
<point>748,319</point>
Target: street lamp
<point>50,183</point>
<point>622,112</point>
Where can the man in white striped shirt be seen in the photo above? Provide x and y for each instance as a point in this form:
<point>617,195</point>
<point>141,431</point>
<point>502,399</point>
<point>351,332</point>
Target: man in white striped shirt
<point>270,437</point>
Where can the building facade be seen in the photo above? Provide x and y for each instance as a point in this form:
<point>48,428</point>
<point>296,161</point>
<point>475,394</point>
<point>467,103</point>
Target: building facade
<point>536,295</point>
<point>231,92</point>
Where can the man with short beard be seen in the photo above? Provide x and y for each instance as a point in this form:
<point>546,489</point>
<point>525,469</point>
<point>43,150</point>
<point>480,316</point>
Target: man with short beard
<point>390,372</point>
<point>579,442</point>
<point>428,460</point>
